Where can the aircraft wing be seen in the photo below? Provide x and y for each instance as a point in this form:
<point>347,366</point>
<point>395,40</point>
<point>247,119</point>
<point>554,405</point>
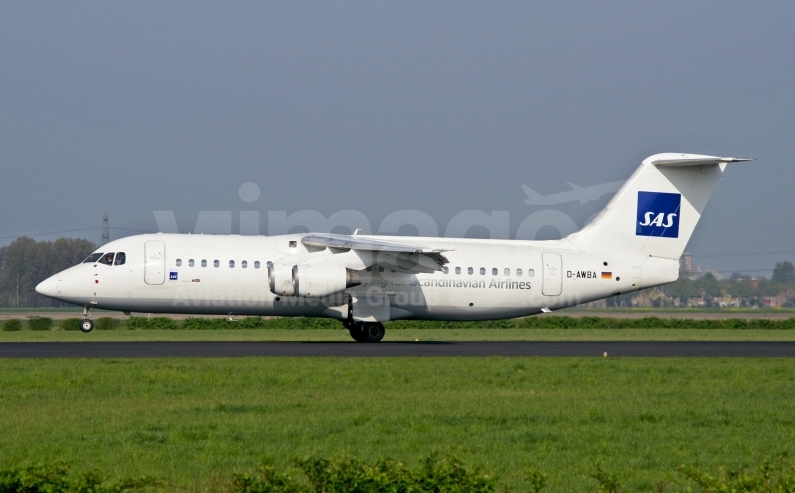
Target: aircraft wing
<point>404,256</point>
<point>347,242</point>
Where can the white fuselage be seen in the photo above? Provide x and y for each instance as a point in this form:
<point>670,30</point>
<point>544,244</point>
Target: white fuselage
<point>484,279</point>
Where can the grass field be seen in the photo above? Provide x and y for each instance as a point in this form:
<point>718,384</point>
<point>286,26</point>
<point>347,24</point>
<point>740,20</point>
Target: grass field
<point>186,418</point>
<point>406,335</point>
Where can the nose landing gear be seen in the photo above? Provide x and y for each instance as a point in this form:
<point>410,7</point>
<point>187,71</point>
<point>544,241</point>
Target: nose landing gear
<point>86,325</point>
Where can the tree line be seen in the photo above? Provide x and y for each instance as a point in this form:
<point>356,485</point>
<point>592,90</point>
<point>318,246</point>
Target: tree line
<point>751,293</point>
<point>26,262</point>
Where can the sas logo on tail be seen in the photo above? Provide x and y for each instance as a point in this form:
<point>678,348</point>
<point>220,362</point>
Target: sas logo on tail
<point>658,214</point>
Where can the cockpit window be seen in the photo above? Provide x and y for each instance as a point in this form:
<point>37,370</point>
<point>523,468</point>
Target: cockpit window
<point>106,259</point>
<point>92,258</point>
<point>121,258</point>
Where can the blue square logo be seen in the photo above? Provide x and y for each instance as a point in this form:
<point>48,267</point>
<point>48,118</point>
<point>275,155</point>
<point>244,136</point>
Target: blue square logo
<point>658,214</point>
<point>172,276</point>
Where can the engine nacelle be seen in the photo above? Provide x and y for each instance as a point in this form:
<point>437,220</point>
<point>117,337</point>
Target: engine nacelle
<point>317,280</point>
<point>281,279</point>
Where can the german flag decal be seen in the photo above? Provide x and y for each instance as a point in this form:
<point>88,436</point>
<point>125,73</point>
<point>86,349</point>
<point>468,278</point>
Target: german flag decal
<point>607,275</point>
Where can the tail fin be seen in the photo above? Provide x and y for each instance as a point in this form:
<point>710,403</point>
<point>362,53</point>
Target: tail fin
<point>657,209</point>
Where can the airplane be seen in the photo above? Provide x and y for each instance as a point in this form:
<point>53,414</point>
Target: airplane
<point>577,193</point>
<point>363,280</point>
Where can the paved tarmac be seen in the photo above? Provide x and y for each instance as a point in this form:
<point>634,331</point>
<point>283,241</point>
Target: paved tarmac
<point>394,349</point>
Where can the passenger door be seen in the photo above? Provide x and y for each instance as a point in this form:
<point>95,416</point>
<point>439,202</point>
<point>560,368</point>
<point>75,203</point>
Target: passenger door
<point>553,274</point>
<point>154,262</point>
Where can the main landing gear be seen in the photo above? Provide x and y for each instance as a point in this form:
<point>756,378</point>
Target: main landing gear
<point>86,325</point>
<point>366,331</point>
<point>363,331</point>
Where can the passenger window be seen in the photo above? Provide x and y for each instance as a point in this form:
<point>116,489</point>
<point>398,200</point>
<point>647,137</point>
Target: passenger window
<point>121,258</point>
<point>445,269</point>
<point>204,263</point>
<point>458,270</point>
<point>179,262</point>
<point>469,271</point>
<point>530,272</point>
<point>231,264</point>
<point>507,272</point>
<point>216,263</point>
<point>256,264</point>
<point>518,272</point>
<point>293,244</point>
<point>244,264</point>
<point>92,258</point>
<point>482,271</point>
<point>190,263</point>
<point>494,271</point>
<point>106,259</point>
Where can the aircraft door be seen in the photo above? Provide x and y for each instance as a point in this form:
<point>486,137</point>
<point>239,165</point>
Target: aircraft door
<point>553,274</point>
<point>154,262</point>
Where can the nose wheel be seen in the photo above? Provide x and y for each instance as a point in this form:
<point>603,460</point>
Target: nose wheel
<point>367,331</point>
<point>86,325</point>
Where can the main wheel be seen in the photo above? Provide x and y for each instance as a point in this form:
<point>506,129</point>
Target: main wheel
<point>358,334</point>
<point>367,331</point>
<point>375,332</point>
<point>86,325</point>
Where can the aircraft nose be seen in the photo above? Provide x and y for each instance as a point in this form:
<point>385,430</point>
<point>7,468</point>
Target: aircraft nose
<point>48,287</point>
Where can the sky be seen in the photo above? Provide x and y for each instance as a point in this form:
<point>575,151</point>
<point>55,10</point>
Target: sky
<point>441,107</point>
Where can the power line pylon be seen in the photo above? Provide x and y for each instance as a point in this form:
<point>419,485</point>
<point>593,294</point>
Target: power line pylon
<point>105,229</point>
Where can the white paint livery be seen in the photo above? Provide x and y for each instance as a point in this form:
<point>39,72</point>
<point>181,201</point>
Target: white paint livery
<point>367,280</point>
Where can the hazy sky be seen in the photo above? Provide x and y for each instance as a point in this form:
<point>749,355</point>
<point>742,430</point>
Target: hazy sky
<point>133,107</point>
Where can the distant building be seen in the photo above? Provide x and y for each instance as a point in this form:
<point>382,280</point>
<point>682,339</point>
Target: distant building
<point>688,267</point>
<point>686,263</point>
<point>716,274</point>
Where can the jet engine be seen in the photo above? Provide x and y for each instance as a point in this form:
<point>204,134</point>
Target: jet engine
<point>316,281</point>
<point>310,279</point>
<point>280,279</point>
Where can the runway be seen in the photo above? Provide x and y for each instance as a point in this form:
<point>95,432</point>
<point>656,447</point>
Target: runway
<point>395,349</point>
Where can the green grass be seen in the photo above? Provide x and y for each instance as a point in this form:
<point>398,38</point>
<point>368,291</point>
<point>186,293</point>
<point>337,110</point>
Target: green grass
<point>667,310</point>
<point>406,335</point>
<point>187,418</point>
